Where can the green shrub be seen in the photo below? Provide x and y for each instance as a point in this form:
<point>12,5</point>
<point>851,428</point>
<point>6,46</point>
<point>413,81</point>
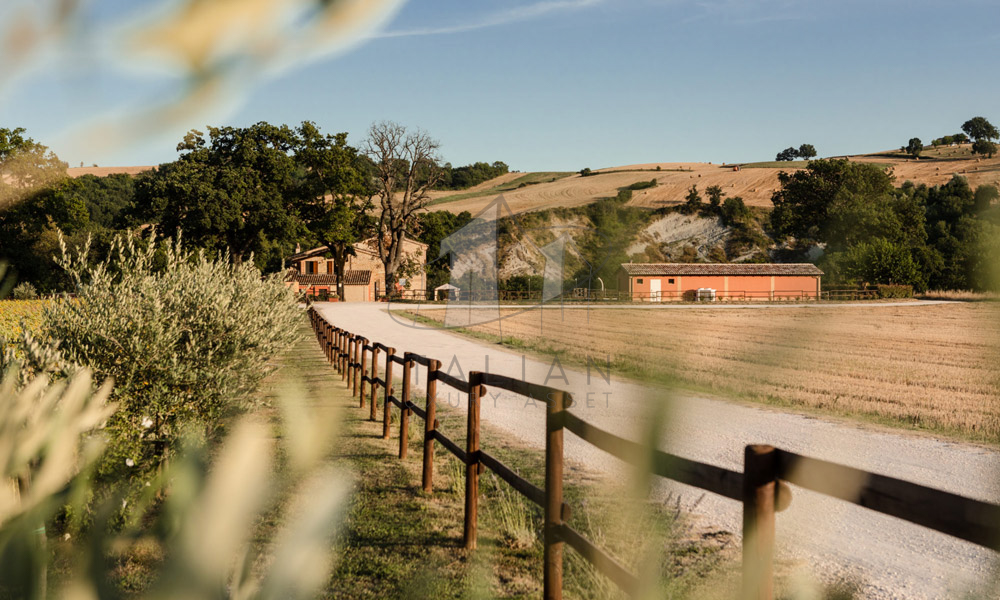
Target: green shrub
<point>895,291</point>
<point>642,185</point>
<point>586,172</point>
<point>186,339</point>
<point>24,291</point>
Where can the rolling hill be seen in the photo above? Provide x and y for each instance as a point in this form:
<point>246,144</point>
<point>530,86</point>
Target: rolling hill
<point>754,182</point>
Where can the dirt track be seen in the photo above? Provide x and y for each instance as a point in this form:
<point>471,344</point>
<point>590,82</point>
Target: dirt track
<point>828,537</point>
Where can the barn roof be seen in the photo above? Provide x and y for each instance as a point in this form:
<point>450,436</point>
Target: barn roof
<point>359,277</point>
<point>721,269</point>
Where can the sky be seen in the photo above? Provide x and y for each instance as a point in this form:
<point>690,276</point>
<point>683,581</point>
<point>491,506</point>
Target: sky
<point>549,84</point>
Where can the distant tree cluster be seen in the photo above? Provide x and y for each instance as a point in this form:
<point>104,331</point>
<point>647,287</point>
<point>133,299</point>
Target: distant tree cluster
<point>941,237</point>
<point>433,227</point>
<point>805,152</point>
<point>947,140</point>
<point>460,178</point>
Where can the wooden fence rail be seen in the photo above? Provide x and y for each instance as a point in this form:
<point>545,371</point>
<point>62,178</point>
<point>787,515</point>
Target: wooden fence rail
<point>762,487</point>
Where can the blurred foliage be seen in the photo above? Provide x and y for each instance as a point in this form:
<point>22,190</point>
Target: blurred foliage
<point>460,178</point>
<point>195,523</point>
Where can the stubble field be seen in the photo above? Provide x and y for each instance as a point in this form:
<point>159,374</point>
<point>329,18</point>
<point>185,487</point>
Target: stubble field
<point>929,367</point>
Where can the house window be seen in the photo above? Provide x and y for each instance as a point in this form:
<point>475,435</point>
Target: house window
<point>670,281</point>
<point>639,281</point>
<point>310,268</point>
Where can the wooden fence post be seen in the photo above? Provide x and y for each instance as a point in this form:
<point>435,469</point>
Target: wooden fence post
<point>328,336</point>
<point>404,413</point>
<point>552,567</point>
<point>374,388</point>
<point>387,409</point>
<point>336,348</point>
<point>364,371</point>
<point>429,424</point>
<point>760,474</point>
<point>349,359</point>
<point>472,467</point>
<point>345,340</point>
<point>357,364</point>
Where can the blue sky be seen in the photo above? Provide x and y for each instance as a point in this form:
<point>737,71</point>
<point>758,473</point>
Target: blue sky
<point>565,84</point>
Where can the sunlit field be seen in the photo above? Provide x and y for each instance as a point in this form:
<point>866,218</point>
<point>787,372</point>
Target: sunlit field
<point>929,367</point>
<point>15,313</point>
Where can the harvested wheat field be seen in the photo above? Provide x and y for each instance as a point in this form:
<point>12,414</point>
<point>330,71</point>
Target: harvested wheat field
<point>926,366</point>
<point>754,183</point>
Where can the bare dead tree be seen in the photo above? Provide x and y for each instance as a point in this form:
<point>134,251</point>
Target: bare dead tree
<point>406,168</point>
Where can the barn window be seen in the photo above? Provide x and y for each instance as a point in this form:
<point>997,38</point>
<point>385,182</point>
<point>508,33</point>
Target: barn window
<point>639,280</point>
<point>670,281</point>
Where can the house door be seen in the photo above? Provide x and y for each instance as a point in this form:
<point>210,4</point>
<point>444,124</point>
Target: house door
<point>654,290</point>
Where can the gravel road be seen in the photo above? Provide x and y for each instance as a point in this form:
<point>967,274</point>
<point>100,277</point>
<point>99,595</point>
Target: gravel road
<point>833,539</point>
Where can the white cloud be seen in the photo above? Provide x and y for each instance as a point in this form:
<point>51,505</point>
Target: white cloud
<point>513,15</point>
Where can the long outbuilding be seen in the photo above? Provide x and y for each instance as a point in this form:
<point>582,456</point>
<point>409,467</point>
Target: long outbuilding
<point>656,282</point>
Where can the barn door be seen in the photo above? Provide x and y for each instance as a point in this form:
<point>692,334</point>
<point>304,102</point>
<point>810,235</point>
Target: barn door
<point>654,290</point>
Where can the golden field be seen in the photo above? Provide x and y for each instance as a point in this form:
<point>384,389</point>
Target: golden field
<point>755,183</point>
<point>925,366</point>
<point>16,314</point>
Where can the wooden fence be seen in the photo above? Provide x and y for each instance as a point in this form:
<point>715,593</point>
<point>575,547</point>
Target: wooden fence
<point>761,487</point>
<point>584,295</point>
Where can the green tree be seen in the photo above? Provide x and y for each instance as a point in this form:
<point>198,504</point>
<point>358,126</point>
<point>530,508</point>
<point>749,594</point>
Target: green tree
<point>915,147</point>
<point>692,202</point>
<point>788,154</point>
<point>25,166</point>
<point>978,128</point>
<point>435,226</point>
<point>806,151</point>
<point>233,192</point>
<point>880,261</point>
<point>735,213</point>
<point>715,195</point>
<point>986,196</point>
<point>836,202</point>
<point>335,193</point>
<point>984,147</point>
<point>85,207</point>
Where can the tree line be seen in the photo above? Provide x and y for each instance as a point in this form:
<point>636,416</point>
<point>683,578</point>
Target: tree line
<point>940,237</point>
<point>253,193</point>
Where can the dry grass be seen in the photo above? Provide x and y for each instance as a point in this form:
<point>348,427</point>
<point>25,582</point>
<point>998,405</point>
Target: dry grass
<point>929,367</point>
<point>17,315</point>
<point>754,185</point>
<point>963,295</point>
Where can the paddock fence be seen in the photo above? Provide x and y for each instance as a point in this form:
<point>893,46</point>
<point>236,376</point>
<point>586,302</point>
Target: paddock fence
<point>762,487</point>
<point>582,295</point>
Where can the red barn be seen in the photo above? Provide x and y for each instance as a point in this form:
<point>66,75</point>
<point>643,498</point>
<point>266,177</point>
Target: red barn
<point>655,282</point>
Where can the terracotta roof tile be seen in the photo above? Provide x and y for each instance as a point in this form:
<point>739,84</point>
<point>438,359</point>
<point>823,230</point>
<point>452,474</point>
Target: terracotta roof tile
<point>721,269</point>
<point>359,277</point>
